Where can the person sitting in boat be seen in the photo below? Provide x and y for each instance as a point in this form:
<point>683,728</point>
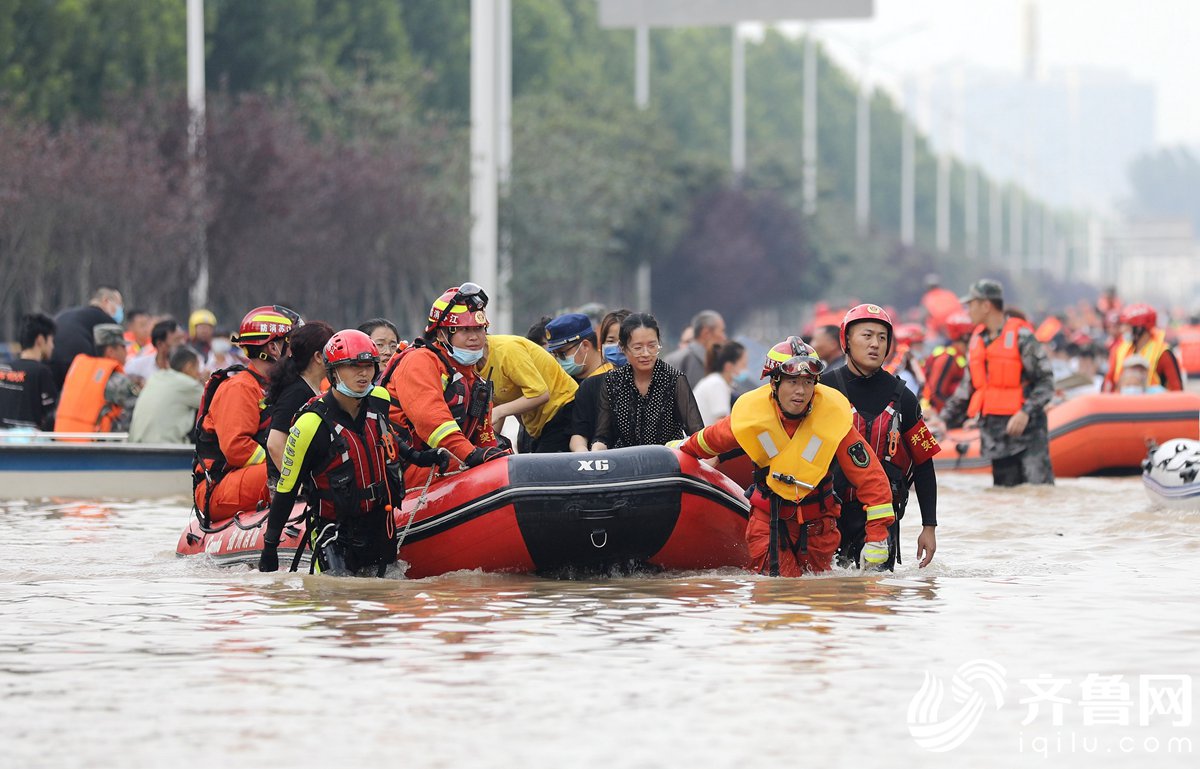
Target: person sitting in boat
<point>945,366</point>
<point>343,451</point>
<point>229,472</point>
<point>647,401</point>
<point>587,399</point>
<point>166,408</point>
<point>97,397</point>
<point>298,377</point>
<point>1135,377</point>
<point>796,430</point>
<point>1006,387</point>
<point>1141,336</point>
<point>28,394</point>
<point>438,398</point>
<point>888,416</point>
<point>386,337</point>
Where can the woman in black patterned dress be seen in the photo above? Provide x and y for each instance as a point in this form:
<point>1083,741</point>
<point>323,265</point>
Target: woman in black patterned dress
<point>646,401</point>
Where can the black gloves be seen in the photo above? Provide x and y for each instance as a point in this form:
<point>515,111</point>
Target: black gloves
<point>485,454</point>
<point>431,457</point>
<point>269,560</point>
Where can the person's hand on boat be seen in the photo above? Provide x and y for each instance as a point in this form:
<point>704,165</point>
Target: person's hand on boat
<point>485,454</point>
<point>926,546</point>
<point>269,560</point>
<point>431,457</point>
<point>1017,423</point>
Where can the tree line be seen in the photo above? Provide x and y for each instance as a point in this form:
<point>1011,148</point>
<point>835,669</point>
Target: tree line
<point>338,157</point>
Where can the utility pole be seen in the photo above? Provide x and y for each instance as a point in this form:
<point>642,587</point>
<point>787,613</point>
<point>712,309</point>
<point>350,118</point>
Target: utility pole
<point>908,153</point>
<point>504,294</point>
<point>197,171</point>
<point>642,96</point>
<point>737,121</point>
<point>484,260</point>
<point>810,122</point>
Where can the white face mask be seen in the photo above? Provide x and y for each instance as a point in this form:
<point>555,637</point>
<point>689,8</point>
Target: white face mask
<point>221,346</point>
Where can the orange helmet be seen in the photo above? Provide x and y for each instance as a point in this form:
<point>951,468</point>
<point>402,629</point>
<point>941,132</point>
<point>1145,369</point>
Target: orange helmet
<point>266,324</point>
<point>458,307</point>
<point>1139,316</point>
<point>792,357</point>
<point>350,346</point>
<point>959,325</point>
<point>871,312</point>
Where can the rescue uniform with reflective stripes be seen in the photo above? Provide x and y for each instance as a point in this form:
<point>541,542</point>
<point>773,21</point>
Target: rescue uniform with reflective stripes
<point>431,398</point>
<point>240,420</point>
<point>1164,368</point>
<point>944,369</point>
<point>805,449</point>
<point>349,468</point>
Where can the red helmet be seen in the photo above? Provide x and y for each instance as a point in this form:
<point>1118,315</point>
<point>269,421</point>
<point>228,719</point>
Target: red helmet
<point>910,334</point>
<point>792,357</point>
<point>266,324</point>
<point>959,325</point>
<point>868,312</point>
<point>1139,316</point>
<point>458,307</point>
<point>350,346</point>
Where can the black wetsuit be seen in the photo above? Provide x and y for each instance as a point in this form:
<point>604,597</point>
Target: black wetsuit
<point>870,396</point>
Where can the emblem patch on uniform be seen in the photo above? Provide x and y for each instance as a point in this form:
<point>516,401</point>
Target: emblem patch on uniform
<point>858,454</point>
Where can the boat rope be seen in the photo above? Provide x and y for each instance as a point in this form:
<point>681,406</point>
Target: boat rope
<point>421,502</point>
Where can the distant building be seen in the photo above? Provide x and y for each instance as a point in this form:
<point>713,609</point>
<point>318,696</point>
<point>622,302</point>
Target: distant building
<point>1068,137</point>
<point>1156,260</point>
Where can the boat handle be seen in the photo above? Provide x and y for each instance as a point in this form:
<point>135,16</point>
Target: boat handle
<point>604,539</point>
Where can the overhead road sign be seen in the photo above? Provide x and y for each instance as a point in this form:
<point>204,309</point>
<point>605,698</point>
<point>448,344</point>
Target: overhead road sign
<point>618,14</point>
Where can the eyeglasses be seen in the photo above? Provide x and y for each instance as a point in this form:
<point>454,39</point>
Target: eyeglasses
<point>651,348</point>
<point>563,353</point>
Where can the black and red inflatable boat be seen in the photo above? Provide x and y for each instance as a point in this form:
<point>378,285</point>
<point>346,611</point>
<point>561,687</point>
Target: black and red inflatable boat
<point>643,508</point>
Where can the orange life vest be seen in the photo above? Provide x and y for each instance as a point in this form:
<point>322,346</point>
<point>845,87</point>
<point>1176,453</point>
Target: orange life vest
<point>943,371</point>
<point>1151,351</point>
<point>82,407</point>
<point>996,372</point>
<point>1189,348</point>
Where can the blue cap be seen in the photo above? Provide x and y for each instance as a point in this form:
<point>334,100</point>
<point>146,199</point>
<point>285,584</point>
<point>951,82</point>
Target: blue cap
<point>567,329</point>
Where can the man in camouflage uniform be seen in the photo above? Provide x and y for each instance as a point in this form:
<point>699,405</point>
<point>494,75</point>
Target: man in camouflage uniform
<point>1010,405</point>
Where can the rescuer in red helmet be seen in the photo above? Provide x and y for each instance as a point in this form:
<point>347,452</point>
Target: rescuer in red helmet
<point>342,449</point>
<point>796,432</point>
<point>888,416</point>
<point>1141,336</point>
<point>229,473</point>
<point>438,397</point>
<point>946,363</point>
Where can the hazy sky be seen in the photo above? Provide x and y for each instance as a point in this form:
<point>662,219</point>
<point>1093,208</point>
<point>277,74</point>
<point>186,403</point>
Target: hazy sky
<point>1155,41</point>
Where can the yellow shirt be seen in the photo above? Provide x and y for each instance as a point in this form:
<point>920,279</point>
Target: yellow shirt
<point>518,367</point>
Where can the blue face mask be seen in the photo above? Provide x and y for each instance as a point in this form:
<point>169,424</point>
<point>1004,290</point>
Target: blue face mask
<point>613,354</point>
<point>570,366</point>
<point>344,390</point>
<point>119,315</point>
<point>466,357</point>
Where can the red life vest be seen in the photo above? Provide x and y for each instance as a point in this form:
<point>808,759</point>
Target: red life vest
<point>208,460</point>
<point>996,372</point>
<point>354,482</point>
<point>82,407</point>
<point>943,371</point>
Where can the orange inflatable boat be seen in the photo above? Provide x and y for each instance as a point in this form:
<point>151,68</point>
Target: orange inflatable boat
<point>1102,433</point>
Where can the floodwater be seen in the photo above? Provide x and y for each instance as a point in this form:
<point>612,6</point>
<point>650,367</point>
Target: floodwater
<point>1056,627</point>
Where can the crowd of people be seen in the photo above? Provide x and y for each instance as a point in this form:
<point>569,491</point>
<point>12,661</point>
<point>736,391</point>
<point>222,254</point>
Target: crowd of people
<point>839,425</point>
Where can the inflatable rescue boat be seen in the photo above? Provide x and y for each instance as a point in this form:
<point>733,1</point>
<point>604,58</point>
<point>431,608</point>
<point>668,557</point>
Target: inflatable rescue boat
<point>642,508</point>
<point>1093,433</point>
<point>1171,474</point>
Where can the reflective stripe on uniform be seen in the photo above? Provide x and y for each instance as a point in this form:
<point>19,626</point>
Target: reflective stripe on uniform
<point>258,457</point>
<point>443,430</point>
<point>875,512</point>
<point>704,444</point>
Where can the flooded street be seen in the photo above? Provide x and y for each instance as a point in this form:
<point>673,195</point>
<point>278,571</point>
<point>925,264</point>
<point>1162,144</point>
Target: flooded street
<point>1056,627</point>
